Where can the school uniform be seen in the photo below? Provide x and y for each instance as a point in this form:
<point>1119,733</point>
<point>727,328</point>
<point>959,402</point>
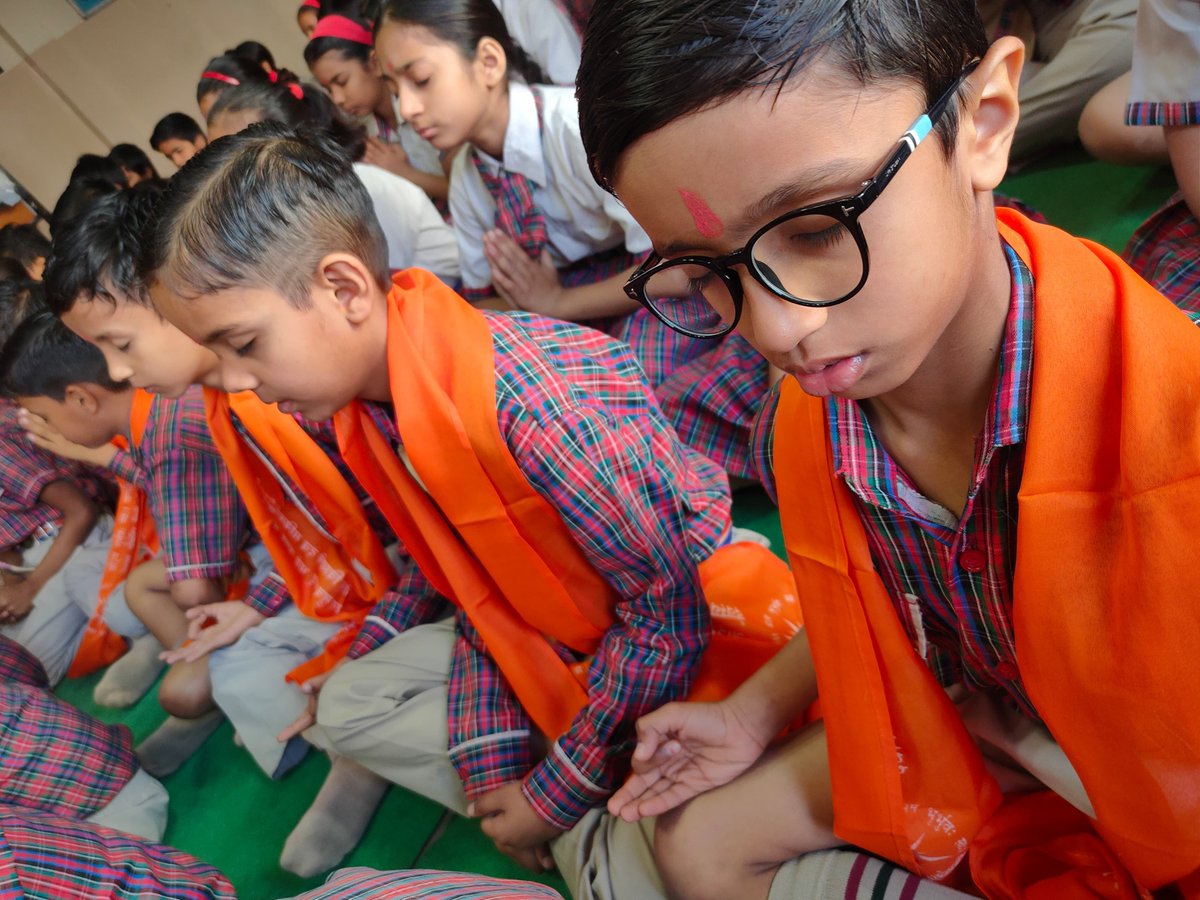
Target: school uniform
<point>546,32</point>
<point>43,855</point>
<point>55,626</point>
<point>321,606</point>
<point>1165,91</point>
<point>544,196</point>
<point>416,233</point>
<point>592,570</point>
<point>56,759</point>
<point>1073,538</point>
<point>360,883</point>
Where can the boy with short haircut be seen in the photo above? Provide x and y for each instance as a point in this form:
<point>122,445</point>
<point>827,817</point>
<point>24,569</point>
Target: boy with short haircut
<point>984,456</point>
<point>178,138</point>
<point>26,245</point>
<point>329,599</point>
<point>568,523</point>
<point>180,489</point>
<point>59,760</point>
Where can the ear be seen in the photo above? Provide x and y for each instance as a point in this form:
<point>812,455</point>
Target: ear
<point>82,398</point>
<point>373,64</point>
<point>491,63</point>
<point>345,280</point>
<point>990,118</point>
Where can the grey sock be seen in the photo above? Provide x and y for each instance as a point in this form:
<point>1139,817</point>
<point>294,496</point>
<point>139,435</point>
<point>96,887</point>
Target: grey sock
<point>126,680</point>
<point>174,741</point>
<point>336,820</point>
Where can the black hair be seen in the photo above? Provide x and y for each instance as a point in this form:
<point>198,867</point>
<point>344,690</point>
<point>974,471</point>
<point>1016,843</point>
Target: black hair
<point>24,243</point>
<point>19,298</point>
<point>463,23</point>
<point>645,64</point>
<point>175,126</point>
<point>318,47</point>
<point>96,255</point>
<point>261,209</point>
<point>94,166</point>
<point>133,158</point>
<point>279,103</point>
<point>237,68</point>
<point>255,52</point>
<point>43,357</point>
<point>76,199</point>
<point>12,270</point>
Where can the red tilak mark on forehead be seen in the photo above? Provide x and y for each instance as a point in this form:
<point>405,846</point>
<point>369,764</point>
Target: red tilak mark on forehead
<point>707,222</point>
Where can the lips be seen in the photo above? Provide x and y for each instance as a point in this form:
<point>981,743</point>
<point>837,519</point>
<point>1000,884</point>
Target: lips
<point>833,377</point>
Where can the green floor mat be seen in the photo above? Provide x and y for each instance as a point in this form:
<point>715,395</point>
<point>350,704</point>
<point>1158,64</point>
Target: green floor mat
<point>225,811</point>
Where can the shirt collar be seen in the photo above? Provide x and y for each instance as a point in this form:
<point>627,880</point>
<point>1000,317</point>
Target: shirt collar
<point>866,466</point>
<point>523,153</point>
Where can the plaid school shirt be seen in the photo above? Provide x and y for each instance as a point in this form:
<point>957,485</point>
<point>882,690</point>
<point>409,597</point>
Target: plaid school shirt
<point>411,601</point>
<point>52,756</point>
<point>584,428</point>
<point>202,524</point>
<point>359,883</point>
<point>950,577</point>
<point>45,856</point>
<point>26,471</point>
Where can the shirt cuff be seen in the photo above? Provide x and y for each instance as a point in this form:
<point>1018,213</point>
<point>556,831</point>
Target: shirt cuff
<point>374,634</point>
<point>491,761</point>
<point>269,596</point>
<point>559,792</point>
<point>125,467</point>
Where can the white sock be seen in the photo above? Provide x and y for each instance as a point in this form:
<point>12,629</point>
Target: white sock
<point>174,741</point>
<point>126,680</point>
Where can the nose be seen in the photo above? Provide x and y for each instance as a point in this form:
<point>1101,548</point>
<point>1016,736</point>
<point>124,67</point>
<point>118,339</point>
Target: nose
<point>118,369</point>
<point>235,379</point>
<point>408,104</point>
<point>337,95</point>
<point>774,325</point>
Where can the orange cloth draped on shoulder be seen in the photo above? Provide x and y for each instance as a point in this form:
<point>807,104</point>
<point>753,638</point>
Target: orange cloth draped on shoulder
<point>491,544</point>
<point>1109,506</point>
<point>336,569</point>
<point>134,541</point>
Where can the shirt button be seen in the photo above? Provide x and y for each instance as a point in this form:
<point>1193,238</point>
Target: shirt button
<point>973,560</point>
<point>1006,671</point>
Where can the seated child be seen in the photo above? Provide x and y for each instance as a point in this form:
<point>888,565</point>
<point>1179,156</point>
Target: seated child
<point>133,162</point>
<point>339,55</point>
<point>1165,95</point>
<point>43,855</point>
<point>26,245</point>
<point>57,759</point>
<point>223,72</point>
<point>416,233</point>
<point>178,138</point>
<point>533,228</point>
<point>328,600</point>
<point>984,455</point>
<point>566,522</point>
<point>307,16</point>
<point>179,487</point>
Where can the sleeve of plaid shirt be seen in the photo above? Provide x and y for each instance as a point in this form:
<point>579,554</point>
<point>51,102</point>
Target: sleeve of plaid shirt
<point>201,521</point>
<point>24,473</point>
<point>269,596</point>
<point>582,425</point>
<point>125,467</point>
<point>412,601</point>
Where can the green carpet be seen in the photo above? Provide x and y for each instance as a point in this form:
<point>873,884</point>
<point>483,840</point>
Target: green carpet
<point>225,811</point>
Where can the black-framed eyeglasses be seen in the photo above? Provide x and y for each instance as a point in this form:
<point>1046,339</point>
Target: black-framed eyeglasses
<point>813,256</point>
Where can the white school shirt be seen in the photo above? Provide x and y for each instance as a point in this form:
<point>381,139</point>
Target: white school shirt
<point>415,231</point>
<point>582,219</point>
<point>422,155</point>
<point>546,34</point>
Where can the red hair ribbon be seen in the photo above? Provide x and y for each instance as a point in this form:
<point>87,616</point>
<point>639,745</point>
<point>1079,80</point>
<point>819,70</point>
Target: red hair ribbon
<point>311,4</point>
<point>273,76</point>
<point>297,91</point>
<point>217,76</point>
<point>342,27</point>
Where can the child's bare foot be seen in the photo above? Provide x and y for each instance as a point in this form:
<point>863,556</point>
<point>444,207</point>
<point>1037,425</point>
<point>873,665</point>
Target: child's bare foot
<point>336,820</point>
<point>174,741</point>
<point>131,676</point>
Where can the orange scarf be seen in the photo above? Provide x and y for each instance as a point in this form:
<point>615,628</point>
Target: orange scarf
<point>1109,501</point>
<point>333,576</point>
<point>490,543</point>
<point>134,541</point>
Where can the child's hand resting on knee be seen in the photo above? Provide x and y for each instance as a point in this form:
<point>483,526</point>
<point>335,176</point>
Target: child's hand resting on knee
<point>515,826</point>
<point>683,750</point>
<point>212,626</point>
